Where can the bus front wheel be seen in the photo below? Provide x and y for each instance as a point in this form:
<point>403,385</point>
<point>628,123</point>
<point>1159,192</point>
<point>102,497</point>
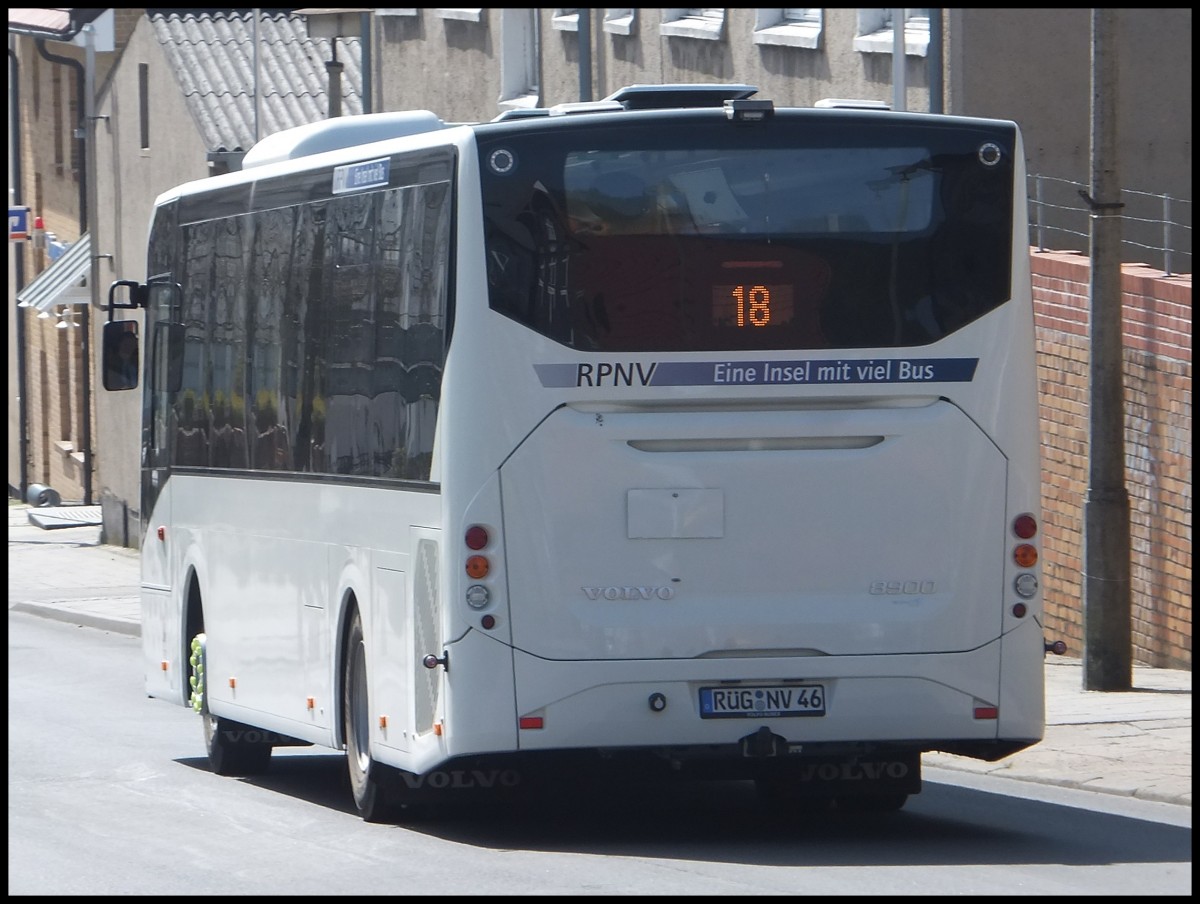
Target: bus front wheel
<point>232,748</point>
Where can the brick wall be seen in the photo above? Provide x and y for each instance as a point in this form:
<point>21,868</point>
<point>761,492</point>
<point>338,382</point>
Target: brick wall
<point>1156,312</point>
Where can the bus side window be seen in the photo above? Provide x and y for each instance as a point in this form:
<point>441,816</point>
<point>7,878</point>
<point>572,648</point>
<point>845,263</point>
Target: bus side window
<point>169,356</point>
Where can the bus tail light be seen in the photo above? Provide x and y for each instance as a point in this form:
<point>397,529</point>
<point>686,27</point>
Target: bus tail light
<point>1025,526</point>
<point>477,567</point>
<point>1025,555</point>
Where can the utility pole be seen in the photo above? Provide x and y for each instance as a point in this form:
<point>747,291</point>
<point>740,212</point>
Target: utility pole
<point>1107,610</point>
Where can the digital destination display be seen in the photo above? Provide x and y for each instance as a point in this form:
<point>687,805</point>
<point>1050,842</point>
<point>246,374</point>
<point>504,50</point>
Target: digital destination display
<point>752,305</point>
<point>753,302</point>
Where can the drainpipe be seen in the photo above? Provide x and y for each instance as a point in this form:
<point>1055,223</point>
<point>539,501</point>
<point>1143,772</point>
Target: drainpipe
<point>14,131</point>
<point>85,103</point>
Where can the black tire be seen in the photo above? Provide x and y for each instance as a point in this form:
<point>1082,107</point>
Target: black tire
<point>229,750</point>
<point>232,748</point>
<point>370,794</point>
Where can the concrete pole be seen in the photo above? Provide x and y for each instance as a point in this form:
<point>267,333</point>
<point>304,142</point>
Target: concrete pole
<point>1107,660</point>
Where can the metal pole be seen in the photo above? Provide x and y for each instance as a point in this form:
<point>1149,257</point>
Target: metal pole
<point>14,134</point>
<point>90,225</point>
<point>335,81</point>
<point>585,54</point>
<point>936,82</point>
<point>1166,234</point>
<point>899,88</point>
<point>366,51</point>
<point>257,86</point>
<point>1107,660</point>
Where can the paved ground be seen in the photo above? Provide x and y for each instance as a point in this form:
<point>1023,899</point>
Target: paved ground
<point>1136,743</point>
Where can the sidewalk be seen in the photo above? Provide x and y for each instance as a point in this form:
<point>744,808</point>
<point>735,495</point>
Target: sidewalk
<point>1136,743</point>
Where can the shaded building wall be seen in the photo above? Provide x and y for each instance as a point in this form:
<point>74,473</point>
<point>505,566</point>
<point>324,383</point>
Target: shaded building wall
<point>133,177</point>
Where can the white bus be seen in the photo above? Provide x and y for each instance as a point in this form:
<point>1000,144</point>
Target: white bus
<point>671,435</point>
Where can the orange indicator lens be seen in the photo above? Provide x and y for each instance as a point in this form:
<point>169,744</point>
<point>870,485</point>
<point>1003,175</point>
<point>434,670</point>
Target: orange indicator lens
<point>477,566</point>
<point>1025,555</point>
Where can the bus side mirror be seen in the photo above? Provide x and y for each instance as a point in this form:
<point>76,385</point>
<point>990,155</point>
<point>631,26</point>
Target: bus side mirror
<point>120,355</point>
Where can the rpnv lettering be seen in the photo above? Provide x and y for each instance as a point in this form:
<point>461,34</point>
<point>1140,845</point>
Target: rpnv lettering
<point>609,374</point>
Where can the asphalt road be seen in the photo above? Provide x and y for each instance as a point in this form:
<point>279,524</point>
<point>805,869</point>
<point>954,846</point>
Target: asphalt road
<point>109,793</point>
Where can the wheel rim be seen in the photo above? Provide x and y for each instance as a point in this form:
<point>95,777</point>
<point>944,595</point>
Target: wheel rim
<point>358,708</point>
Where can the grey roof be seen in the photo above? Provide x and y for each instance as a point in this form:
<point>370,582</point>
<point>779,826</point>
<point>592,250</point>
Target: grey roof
<point>212,54</point>
<point>54,24</point>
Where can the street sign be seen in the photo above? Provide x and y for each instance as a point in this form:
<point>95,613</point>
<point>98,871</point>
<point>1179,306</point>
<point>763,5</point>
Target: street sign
<point>18,224</point>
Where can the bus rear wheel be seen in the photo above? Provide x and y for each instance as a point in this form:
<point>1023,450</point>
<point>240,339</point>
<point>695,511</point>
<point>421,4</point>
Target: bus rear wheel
<point>370,795</point>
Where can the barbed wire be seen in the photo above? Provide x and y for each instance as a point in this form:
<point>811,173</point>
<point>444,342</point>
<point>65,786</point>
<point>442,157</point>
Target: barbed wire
<point>1150,222</point>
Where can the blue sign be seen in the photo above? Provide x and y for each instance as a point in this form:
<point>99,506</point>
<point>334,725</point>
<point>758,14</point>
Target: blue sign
<point>360,176</point>
<point>760,373</point>
<point>18,224</point>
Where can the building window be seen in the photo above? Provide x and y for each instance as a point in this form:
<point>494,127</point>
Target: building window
<point>464,15</point>
<point>620,21</point>
<point>789,27</point>
<point>705,24</point>
<point>519,64</point>
<point>144,104</point>
<point>875,31</point>
<point>565,20</point>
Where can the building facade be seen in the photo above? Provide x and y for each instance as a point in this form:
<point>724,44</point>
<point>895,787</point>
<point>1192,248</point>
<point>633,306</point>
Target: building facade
<point>180,95</point>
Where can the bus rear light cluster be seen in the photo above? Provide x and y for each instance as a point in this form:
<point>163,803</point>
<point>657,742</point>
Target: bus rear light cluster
<point>1025,527</point>
<point>478,567</point>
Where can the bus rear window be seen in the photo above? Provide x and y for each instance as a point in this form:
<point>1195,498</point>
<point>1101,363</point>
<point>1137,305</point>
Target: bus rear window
<point>808,239</point>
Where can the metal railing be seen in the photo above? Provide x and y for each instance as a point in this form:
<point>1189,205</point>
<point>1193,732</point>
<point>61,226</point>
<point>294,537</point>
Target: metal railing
<point>1155,228</point>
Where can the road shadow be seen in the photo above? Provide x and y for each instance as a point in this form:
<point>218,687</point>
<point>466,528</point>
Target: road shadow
<point>726,822</point>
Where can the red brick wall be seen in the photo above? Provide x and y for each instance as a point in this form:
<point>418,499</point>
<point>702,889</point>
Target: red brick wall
<point>1156,311</point>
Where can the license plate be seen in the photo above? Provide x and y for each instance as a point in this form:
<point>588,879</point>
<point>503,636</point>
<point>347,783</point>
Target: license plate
<point>764,702</point>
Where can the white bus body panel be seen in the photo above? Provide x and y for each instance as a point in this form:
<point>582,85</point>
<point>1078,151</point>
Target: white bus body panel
<point>692,534</point>
<point>277,563</point>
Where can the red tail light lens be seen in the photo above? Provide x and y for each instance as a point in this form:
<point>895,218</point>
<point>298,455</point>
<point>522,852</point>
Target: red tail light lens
<point>477,537</point>
<point>1025,526</point>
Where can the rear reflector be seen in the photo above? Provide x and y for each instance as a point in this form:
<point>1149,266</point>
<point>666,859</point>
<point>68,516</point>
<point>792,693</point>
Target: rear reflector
<point>987,712</point>
<point>530,722</point>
